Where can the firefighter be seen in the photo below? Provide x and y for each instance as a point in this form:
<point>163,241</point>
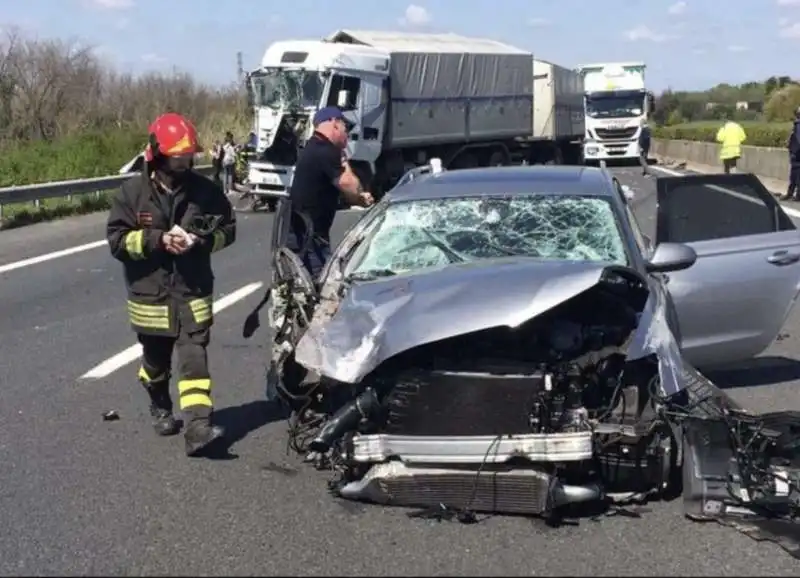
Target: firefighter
<point>168,273</point>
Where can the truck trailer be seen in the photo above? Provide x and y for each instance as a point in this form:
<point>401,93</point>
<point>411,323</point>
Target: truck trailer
<point>409,98</point>
<point>616,104</point>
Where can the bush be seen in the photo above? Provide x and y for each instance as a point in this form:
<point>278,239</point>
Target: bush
<point>761,134</point>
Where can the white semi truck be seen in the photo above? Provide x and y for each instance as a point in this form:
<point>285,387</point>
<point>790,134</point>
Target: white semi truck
<point>409,98</point>
<point>616,104</point>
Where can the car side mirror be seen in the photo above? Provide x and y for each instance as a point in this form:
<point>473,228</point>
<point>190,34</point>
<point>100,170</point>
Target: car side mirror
<point>671,257</point>
<point>341,98</point>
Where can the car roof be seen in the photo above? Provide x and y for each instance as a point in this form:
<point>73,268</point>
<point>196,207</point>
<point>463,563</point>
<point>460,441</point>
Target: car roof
<point>537,179</point>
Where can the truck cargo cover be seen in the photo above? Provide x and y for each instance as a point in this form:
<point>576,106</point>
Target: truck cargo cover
<point>465,88</point>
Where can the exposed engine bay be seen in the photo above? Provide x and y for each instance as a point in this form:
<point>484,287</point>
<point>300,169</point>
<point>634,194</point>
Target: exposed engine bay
<point>550,418</point>
<point>289,139</point>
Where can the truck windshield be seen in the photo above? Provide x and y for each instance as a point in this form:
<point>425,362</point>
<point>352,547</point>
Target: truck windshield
<point>615,105</point>
<point>276,88</point>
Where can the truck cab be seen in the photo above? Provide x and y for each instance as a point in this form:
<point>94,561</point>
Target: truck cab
<point>616,104</point>
<point>297,78</point>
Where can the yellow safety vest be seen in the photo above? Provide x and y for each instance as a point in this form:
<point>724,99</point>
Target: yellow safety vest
<point>731,135</point>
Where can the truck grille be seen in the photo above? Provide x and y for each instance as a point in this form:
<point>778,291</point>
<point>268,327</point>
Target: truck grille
<point>615,133</point>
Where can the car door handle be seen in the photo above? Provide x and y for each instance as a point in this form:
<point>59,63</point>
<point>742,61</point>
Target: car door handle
<point>783,258</point>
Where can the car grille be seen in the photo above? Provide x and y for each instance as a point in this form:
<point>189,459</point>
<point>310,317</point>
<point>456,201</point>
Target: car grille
<point>483,492</point>
<point>455,403</point>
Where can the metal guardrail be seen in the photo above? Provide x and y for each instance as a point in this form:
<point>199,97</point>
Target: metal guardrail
<point>59,189</point>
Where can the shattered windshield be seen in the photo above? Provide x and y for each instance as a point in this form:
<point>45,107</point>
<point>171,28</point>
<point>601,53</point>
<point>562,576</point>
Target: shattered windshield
<point>415,235</point>
<point>276,88</point>
<point>615,105</point>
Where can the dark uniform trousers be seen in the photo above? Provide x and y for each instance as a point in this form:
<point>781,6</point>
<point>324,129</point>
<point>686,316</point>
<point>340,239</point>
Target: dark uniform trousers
<point>170,298</point>
<point>194,379</point>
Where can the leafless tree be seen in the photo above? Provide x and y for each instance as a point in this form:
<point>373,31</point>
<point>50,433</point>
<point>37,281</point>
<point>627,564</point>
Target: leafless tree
<point>53,88</point>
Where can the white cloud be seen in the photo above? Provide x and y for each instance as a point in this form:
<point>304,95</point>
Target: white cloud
<point>539,22</point>
<point>152,58</point>
<point>737,48</point>
<point>642,32</point>
<point>677,8</point>
<point>788,2</point>
<point>783,22</point>
<point>415,16</point>
<point>790,30</point>
<point>112,4</point>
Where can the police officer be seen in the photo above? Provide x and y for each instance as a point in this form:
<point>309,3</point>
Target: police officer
<point>321,175</point>
<point>794,159</point>
<point>644,146</point>
<point>163,227</point>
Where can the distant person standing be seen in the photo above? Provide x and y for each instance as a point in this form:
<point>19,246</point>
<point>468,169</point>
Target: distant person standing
<point>794,160</point>
<point>228,162</point>
<point>644,146</point>
<point>216,161</point>
<point>731,135</point>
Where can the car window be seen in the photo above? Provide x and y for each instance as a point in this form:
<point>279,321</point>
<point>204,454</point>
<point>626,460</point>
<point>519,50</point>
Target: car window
<point>414,235</point>
<point>696,208</point>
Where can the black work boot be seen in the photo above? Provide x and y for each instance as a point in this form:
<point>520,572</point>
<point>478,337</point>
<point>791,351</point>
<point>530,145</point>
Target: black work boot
<point>164,422</point>
<point>199,435</point>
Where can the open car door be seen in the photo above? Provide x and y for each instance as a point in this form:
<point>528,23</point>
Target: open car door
<point>733,301</point>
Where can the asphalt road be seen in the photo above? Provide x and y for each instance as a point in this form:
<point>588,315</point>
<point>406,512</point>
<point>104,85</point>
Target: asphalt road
<point>83,496</point>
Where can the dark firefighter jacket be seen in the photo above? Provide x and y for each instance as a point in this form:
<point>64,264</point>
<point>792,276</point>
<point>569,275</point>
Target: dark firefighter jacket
<point>168,292</point>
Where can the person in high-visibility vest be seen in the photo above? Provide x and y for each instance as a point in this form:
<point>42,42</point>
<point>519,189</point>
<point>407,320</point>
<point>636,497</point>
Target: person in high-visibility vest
<point>731,135</point>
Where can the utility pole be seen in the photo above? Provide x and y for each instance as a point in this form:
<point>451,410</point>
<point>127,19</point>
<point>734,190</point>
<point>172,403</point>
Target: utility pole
<point>239,68</point>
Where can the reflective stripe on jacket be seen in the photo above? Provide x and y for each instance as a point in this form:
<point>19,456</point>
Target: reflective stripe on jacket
<point>731,135</point>
<point>168,291</point>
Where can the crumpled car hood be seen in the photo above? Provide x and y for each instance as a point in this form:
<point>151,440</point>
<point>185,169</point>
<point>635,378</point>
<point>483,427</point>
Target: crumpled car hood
<point>380,319</point>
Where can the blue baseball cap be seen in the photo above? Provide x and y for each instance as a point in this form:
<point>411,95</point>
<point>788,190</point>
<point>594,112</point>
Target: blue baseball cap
<point>328,113</point>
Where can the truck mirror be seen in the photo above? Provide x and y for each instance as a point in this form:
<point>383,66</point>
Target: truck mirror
<point>342,98</point>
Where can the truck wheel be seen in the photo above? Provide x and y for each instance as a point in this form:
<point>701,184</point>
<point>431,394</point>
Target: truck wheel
<point>556,158</point>
<point>497,159</point>
<point>466,161</point>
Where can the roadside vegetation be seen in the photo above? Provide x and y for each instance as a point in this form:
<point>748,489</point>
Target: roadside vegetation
<point>765,109</point>
<point>67,114</point>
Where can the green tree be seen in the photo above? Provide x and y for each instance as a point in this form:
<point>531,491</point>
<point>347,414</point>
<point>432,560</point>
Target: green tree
<point>783,103</point>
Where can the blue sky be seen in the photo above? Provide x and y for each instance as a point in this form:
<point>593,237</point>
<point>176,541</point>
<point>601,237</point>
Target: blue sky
<point>686,45</point>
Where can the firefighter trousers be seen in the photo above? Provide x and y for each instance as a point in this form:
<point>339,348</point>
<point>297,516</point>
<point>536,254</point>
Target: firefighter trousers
<point>194,381</point>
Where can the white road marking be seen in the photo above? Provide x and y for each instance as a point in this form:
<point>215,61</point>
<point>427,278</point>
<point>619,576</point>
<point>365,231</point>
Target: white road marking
<point>134,352</point>
<point>50,256</point>
<point>792,212</point>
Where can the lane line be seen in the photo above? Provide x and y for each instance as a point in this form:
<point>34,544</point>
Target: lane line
<point>792,212</point>
<point>134,352</point>
<point>50,256</point>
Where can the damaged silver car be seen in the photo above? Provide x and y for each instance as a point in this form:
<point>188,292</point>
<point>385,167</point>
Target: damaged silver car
<point>508,340</point>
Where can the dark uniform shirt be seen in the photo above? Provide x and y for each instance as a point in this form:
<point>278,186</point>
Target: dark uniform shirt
<point>167,292</point>
<point>794,143</point>
<point>313,191</point>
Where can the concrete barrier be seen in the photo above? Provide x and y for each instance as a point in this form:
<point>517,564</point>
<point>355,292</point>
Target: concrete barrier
<point>767,162</point>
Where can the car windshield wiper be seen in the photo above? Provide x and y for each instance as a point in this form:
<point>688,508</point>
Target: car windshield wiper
<point>370,275</point>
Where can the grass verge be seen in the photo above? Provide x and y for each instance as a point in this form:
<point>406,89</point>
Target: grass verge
<point>759,134</point>
<point>90,154</point>
<point>22,214</point>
